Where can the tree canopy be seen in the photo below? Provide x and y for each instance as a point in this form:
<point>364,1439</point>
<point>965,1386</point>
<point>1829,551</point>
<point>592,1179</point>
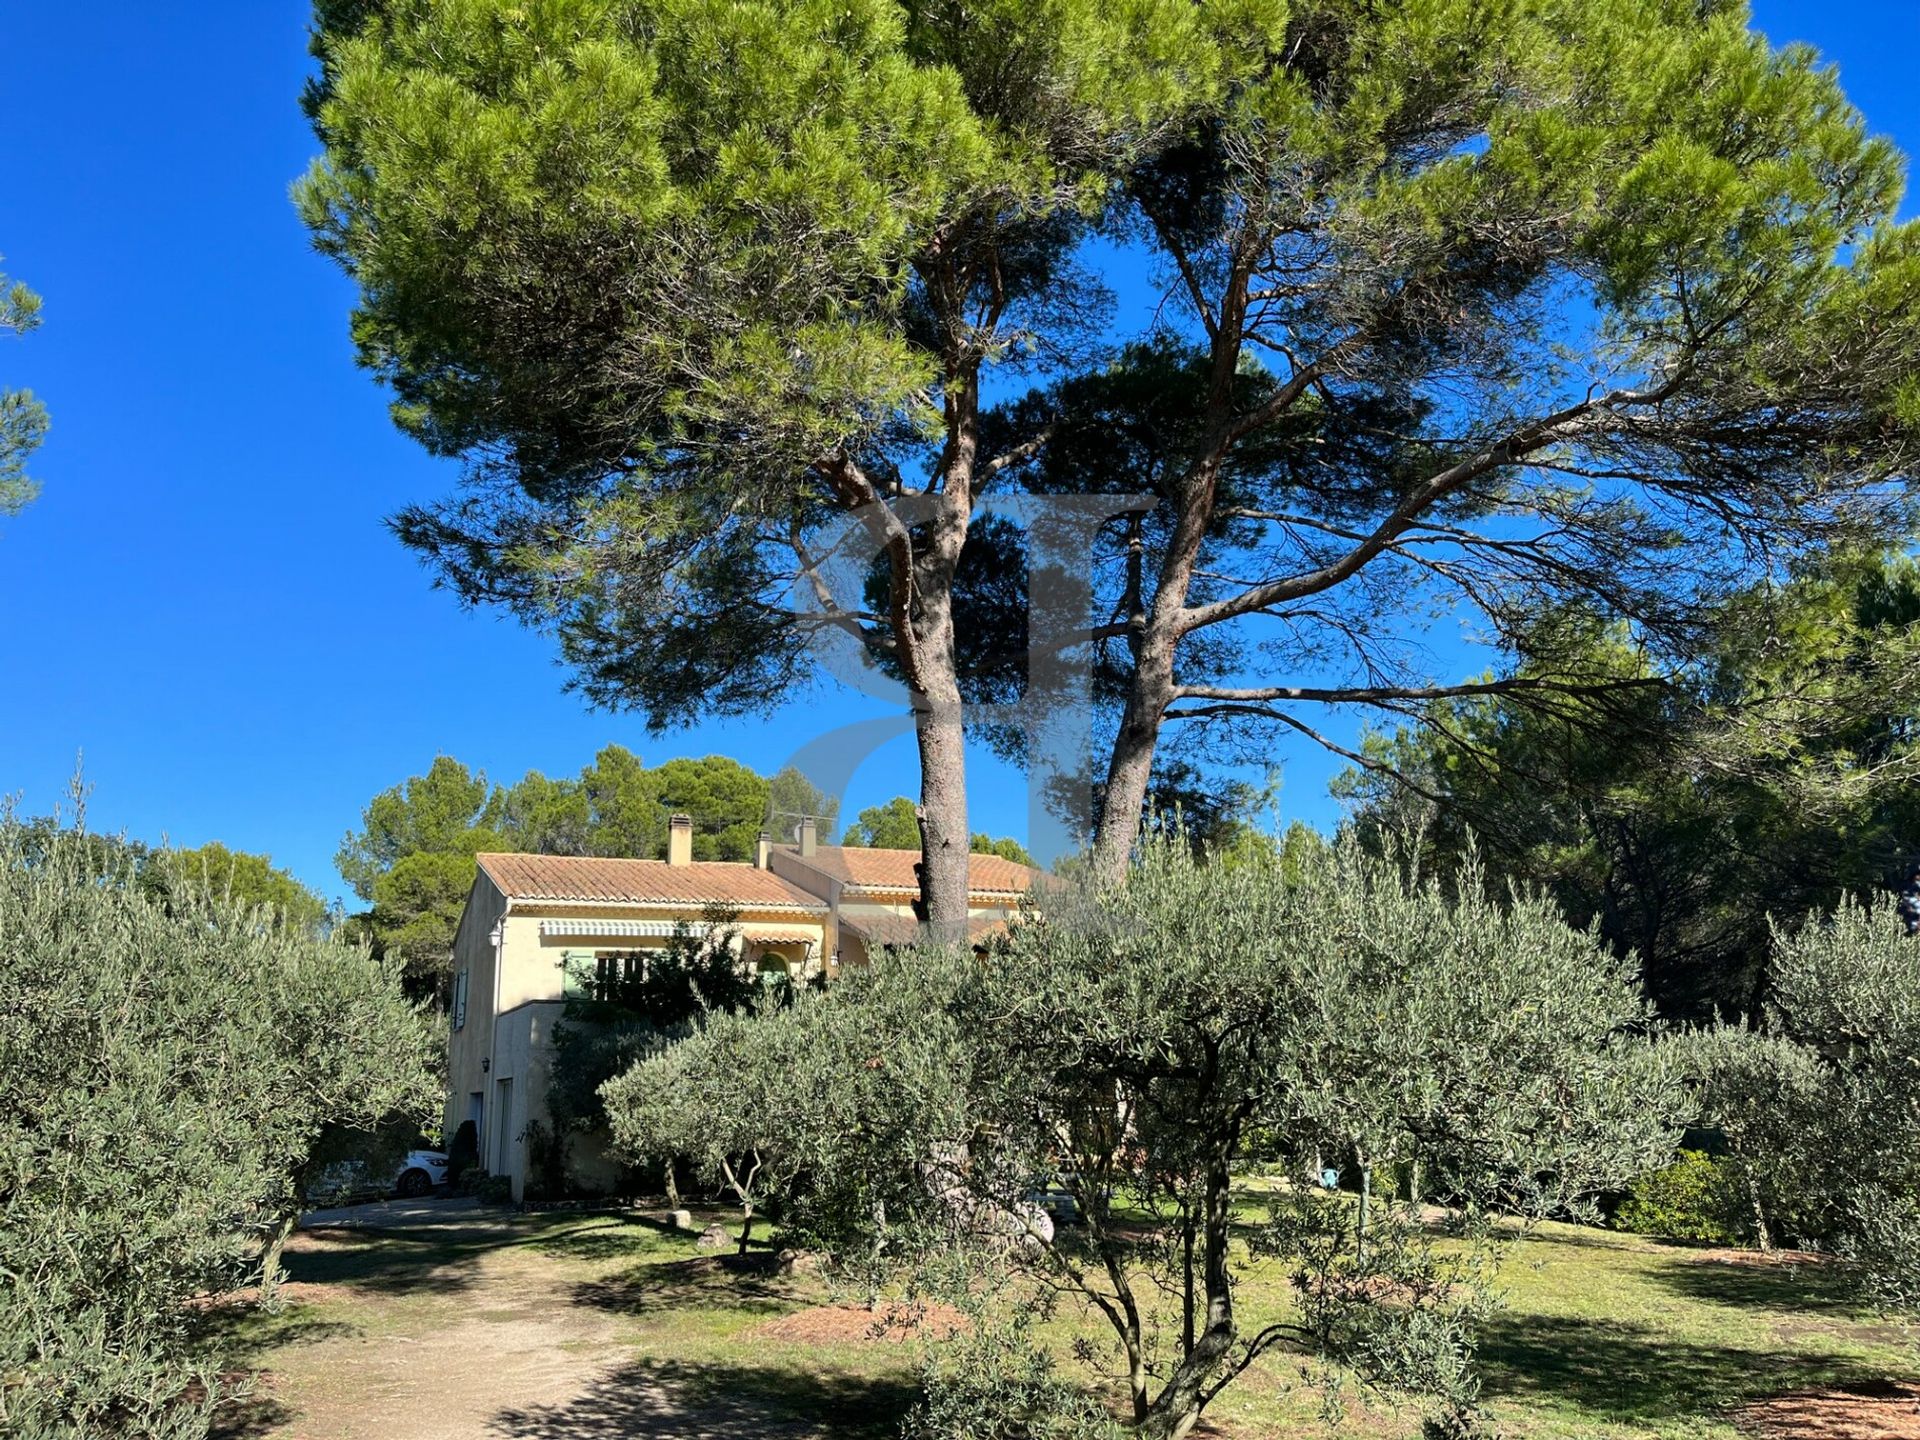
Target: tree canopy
<point>23,419</point>
<point>894,826</point>
<point>236,877</point>
<point>1774,777</point>
<point>179,878</point>
<point>706,279</point>
<point>1468,309</point>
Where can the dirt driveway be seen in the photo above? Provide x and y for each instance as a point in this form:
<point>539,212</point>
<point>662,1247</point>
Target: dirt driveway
<point>442,1320</point>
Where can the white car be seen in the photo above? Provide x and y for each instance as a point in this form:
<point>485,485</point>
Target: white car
<point>418,1174</point>
<point>421,1172</point>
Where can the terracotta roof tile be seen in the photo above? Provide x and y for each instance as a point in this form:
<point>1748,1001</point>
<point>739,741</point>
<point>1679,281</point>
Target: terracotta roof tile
<point>866,869</point>
<point>641,882</point>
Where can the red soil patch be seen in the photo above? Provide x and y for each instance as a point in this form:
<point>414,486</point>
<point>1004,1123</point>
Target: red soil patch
<point>1886,1412</point>
<point>1759,1259</point>
<point>291,1292</point>
<point>851,1324</point>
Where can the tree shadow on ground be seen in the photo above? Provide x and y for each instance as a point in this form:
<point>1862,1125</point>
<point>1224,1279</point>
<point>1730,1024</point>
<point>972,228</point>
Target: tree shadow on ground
<point>249,1419</point>
<point>387,1263</point>
<point>675,1401</point>
<point>398,1260</point>
<point>1750,1284</point>
<point>239,1333</point>
<point>748,1283</point>
<point>610,1244</point>
<point>1628,1372</point>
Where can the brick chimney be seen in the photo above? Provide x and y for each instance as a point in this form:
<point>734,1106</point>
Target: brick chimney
<point>763,851</point>
<point>680,840</point>
<point>807,844</point>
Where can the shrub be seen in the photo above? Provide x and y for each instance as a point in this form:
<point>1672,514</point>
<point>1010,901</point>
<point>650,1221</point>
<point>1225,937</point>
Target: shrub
<point>464,1154</point>
<point>546,1150</point>
<point>1697,1198</point>
<point>490,1189</point>
<point>166,1072</point>
<point>991,1382</point>
<point>1821,1106</point>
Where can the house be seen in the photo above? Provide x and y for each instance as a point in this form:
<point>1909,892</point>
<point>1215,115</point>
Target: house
<point>806,911</point>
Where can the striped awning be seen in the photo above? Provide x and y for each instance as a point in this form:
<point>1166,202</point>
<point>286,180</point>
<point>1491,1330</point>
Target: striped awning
<point>625,929</point>
<point>665,929</point>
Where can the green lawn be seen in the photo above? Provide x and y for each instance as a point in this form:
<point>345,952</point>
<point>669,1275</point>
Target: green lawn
<point>594,1327</point>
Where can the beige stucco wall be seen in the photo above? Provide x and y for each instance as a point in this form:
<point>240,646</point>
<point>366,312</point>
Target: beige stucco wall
<point>515,991</point>
<point>510,1014</point>
<point>472,1043</point>
<point>853,950</point>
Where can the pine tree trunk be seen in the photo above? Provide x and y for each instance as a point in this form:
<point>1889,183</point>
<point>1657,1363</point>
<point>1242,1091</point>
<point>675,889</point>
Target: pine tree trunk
<point>938,727</point>
<point>1152,689</point>
<point>1131,766</point>
<point>943,814</point>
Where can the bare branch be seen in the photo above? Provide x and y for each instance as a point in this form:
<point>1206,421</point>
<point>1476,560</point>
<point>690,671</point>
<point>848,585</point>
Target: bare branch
<point>1378,694</point>
<point>1589,414</point>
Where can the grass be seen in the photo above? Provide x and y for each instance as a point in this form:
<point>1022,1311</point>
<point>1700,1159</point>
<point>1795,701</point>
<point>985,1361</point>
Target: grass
<point>1602,1337</point>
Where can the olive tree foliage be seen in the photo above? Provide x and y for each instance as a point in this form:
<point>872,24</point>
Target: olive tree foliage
<point>708,293</point>
<point>1137,1044</point>
<point>1820,1105</point>
<point>757,1099</point>
<point>168,1065</point>
<point>23,419</point>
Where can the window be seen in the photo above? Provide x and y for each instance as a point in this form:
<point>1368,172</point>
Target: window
<point>460,1000</point>
<point>604,975</point>
<point>612,972</point>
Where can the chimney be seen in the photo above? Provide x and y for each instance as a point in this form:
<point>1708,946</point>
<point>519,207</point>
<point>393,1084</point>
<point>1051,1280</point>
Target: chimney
<point>763,852</point>
<point>680,840</point>
<point>806,835</point>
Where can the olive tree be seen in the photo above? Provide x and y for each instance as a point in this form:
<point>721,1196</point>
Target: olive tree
<point>167,1068</point>
<point>1136,1044</point>
<point>1820,1104</point>
<point>796,1106</point>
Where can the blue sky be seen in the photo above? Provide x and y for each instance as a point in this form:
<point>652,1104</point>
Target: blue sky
<point>204,600</point>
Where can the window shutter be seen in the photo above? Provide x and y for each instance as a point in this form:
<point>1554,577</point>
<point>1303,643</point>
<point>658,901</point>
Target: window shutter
<point>577,974</point>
